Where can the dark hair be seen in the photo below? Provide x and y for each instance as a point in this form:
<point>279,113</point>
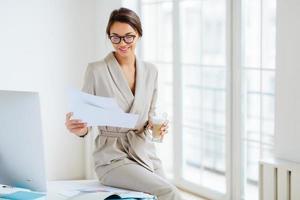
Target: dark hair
<point>127,16</point>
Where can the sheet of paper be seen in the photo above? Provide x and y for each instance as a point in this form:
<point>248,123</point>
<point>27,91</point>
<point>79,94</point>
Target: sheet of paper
<point>99,111</point>
<point>135,195</point>
<point>77,96</point>
<point>94,196</point>
<point>74,188</point>
<point>69,193</point>
<point>104,194</point>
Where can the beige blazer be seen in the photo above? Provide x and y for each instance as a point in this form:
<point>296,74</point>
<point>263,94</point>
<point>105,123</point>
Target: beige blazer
<point>119,146</point>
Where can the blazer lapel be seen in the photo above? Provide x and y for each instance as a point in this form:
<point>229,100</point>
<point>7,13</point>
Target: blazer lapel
<point>138,87</point>
<point>122,84</point>
<point>119,78</point>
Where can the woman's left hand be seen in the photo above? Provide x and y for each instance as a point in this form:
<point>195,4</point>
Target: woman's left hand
<point>163,129</point>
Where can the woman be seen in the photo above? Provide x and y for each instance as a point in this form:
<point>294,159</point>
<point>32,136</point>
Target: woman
<point>126,158</point>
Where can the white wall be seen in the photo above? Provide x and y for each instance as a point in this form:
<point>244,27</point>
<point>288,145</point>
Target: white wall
<point>287,140</point>
<point>103,10</point>
<point>45,46</point>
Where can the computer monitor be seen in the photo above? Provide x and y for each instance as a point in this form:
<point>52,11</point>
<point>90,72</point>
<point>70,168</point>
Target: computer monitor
<point>22,161</point>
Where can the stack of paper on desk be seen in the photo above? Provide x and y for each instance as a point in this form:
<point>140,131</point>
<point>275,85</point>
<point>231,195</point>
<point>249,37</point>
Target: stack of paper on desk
<point>114,195</point>
<point>90,190</point>
<point>99,111</point>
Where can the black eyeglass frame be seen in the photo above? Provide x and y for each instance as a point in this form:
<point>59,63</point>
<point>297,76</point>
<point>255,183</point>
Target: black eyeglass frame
<point>122,38</point>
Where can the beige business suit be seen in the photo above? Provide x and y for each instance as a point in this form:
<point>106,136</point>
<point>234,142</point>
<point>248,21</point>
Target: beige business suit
<point>124,157</point>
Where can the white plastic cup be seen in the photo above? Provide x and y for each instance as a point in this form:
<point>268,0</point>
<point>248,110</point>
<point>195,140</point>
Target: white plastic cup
<point>157,122</point>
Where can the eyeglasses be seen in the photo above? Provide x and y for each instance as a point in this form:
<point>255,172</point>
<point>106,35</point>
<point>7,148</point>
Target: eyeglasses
<point>117,39</point>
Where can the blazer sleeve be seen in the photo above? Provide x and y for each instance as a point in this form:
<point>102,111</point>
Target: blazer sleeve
<point>89,81</point>
<point>89,87</point>
<point>154,97</point>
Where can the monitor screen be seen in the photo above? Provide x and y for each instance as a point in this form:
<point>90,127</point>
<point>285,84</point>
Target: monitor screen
<point>22,162</point>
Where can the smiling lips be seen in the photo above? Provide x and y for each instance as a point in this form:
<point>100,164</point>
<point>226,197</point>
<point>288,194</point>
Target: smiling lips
<point>123,49</point>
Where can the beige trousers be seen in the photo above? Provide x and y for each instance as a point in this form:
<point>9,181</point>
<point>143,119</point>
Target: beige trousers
<point>135,177</point>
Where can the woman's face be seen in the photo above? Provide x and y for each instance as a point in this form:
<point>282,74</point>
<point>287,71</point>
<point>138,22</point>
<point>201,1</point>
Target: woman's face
<point>119,29</point>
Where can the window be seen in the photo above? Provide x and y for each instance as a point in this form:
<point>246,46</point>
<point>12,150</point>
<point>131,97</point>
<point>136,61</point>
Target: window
<point>190,43</point>
<point>202,67</point>
<point>258,71</point>
<point>204,89</point>
<point>158,43</point>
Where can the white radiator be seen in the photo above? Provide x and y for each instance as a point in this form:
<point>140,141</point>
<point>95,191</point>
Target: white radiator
<point>279,180</point>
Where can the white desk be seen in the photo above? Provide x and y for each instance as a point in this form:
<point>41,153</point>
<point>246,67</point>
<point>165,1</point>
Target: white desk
<point>55,188</point>
<point>62,190</point>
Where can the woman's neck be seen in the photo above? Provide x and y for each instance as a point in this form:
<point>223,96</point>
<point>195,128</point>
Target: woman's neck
<point>128,61</point>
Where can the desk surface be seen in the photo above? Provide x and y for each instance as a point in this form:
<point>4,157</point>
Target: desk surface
<point>56,188</point>
<point>61,190</point>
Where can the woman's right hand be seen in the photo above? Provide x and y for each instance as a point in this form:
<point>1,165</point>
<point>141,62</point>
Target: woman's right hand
<point>75,126</point>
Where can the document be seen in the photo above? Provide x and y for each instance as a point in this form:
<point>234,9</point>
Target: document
<point>114,195</point>
<point>79,190</point>
<point>99,111</point>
